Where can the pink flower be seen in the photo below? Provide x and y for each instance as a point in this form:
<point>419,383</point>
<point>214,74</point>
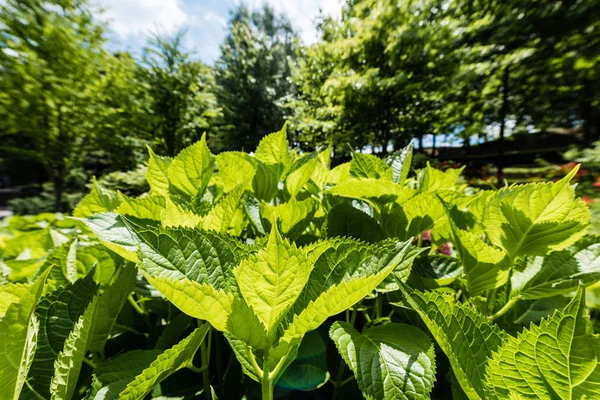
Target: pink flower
<point>446,249</point>
<point>427,235</point>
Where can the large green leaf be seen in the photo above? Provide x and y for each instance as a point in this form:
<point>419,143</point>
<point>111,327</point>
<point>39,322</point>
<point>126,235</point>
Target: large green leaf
<point>174,216</point>
<point>18,340</point>
<point>465,336</point>
<point>293,217</point>
<point>408,218</point>
<point>199,255</point>
<point>220,217</point>
<point>557,359</point>
<point>191,170</point>
<point>323,298</point>
<point>148,207</point>
<point>431,179</point>
<point>393,361</point>
<point>301,174</point>
<point>376,192</point>
<point>536,218</point>
<point>170,361</point>
<point>157,173</point>
<point>235,168</point>
<point>273,151</point>
<point>68,362</point>
<point>271,280</point>
<point>557,273</point>
<point>369,166</point>
<point>225,312</point>
<point>485,266</point>
<point>108,307</point>
<point>346,220</point>
<point>57,312</point>
<point>114,234</point>
<point>400,162</point>
<point>11,293</point>
<point>133,375</point>
<point>113,376</point>
<point>98,200</point>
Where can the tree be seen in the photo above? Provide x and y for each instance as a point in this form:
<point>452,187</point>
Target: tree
<point>253,74</point>
<point>182,94</point>
<point>376,78</point>
<point>50,61</point>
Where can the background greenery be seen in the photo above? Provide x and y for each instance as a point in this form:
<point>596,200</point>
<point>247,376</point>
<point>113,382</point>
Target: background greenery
<point>384,74</point>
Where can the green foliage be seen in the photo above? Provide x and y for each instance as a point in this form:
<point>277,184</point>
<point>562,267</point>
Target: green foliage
<point>285,250</point>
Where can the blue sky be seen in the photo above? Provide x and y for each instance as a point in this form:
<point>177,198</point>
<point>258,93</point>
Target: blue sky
<point>130,21</point>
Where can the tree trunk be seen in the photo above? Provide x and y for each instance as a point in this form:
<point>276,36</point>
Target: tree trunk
<point>503,112</point>
<point>467,145</point>
<point>433,145</point>
<point>58,191</point>
<point>421,149</point>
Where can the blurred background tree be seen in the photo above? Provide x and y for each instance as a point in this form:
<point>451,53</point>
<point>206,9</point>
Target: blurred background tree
<point>509,78</point>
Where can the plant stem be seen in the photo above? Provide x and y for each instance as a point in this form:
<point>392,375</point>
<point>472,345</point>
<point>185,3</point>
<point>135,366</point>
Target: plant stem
<point>266,382</point>
<point>135,305</point>
<point>504,309</point>
<point>379,306</point>
<point>420,241</point>
<point>89,362</point>
<point>205,373</point>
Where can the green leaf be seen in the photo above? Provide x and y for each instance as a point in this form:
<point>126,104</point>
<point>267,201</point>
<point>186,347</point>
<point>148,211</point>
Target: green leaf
<point>301,175</point>
<point>339,174</point>
<point>265,181</point>
<point>11,293</point>
<point>157,173</point>
<point>242,353</point>
<point>400,162</point>
<point>346,220</point>
<point>18,340</point>
<point>273,151</point>
<point>113,376</point>
<point>293,216</point>
<point>557,359</point>
<point>323,298</point>
<point>108,307</point>
<point>408,218</point>
<point>225,312</point>
<point>376,192</point>
<point>170,361</point>
<point>191,170</point>
<point>148,207</point>
<point>133,375</point>
<point>98,200</point>
<point>369,166</point>
<point>308,371</point>
<point>393,361</point>
<point>271,280</point>
<point>537,218</point>
<point>465,336</point>
<point>114,234</point>
<point>431,179</point>
<point>199,255</point>
<point>176,216</point>
<point>485,266</point>
<point>436,270</point>
<point>235,168</point>
<point>221,216</point>
<point>557,273</point>
<point>68,362</point>
<point>57,312</point>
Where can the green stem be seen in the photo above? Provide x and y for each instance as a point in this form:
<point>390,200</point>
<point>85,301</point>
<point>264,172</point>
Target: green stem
<point>504,309</point>
<point>89,362</point>
<point>379,306</point>
<point>420,241</point>
<point>266,382</point>
<point>135,305</point>
<point>204,356</point>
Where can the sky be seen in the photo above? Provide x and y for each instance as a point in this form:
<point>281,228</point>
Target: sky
<point>131,21</point>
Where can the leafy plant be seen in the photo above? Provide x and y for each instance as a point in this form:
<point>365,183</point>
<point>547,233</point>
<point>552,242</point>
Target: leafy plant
<point>269,252</point>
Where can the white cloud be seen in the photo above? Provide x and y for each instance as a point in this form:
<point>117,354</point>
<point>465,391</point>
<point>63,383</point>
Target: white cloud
<point>134,17</point>
<point>302,13</point>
